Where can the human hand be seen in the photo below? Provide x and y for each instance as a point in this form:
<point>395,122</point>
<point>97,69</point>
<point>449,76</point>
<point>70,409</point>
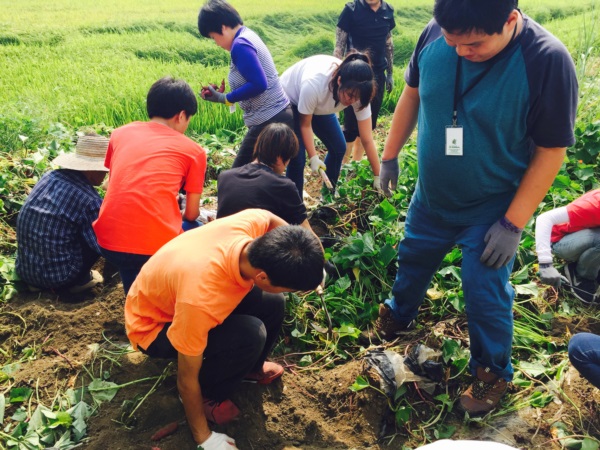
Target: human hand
<point>217,441</point>
<point>210,94</point>
<point>502,240</point>
<point>316,164</point>
<point>377,184</point>
<point>550,276</point>
<point>389,82</point>
<point>390,171</point>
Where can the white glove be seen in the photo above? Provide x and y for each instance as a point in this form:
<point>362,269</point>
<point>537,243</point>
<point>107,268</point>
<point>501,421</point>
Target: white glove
<point>377,184</point>
<point>217,441</point>
<point>316,164</point>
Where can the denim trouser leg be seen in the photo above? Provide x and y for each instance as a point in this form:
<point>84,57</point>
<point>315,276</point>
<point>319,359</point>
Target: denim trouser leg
<point>488,294</point>
<point>584,247</point>
<point>584,354</point>
<point>327,128</point>
<point>489,301</point>
<point>420,253</point>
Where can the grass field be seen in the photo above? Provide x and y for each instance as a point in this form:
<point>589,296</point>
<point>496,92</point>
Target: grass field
<point>91,62</point>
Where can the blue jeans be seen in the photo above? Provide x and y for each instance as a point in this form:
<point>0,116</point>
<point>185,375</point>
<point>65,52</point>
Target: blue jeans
<point>584,353</point>
<point>129,265</point>
<point>488,293</point>
<point>328,129</point>
<point>584,247</point>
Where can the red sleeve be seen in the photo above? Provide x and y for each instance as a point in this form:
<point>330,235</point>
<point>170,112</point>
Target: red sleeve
<point>194,180</point>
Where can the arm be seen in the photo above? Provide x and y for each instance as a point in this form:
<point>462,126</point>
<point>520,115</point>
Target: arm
<point>403,122</point>
<point>341,43</point>
<point>543,232</point>
<point>188,385</point>
<point>192,206</point>
<point>365,132</point>
<point>246,60</point>
<point>538,178</point>
<point>307,134</point>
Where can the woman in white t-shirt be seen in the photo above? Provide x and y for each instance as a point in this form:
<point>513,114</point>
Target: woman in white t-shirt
<point>318,87</point>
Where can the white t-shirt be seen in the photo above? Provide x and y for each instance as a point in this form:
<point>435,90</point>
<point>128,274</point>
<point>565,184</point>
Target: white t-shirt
<point>306,84</point>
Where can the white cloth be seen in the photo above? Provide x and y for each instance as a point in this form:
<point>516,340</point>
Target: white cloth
<point>543,232</point>
<point>306,84</point>
<point>447,444</point>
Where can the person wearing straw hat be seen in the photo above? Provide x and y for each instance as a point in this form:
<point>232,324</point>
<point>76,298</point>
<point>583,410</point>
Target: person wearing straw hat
<point>57,246</point>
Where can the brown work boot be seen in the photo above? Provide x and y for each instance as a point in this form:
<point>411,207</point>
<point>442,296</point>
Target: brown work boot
<point>387,327</point>
<point>484,393</point>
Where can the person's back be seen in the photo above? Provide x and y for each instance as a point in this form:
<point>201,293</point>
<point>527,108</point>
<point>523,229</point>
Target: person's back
<point>261,184</point>
<point>56,243</point>
<point>149,163</point>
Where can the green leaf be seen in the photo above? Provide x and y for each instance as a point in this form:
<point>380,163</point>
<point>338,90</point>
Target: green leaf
<point>102,391</point>
<point>386,255</point>
<point>444,431</point>
<point>445,399</point>
<point>589,444</point>
<point>343,284</point>
<point>360,384</point>
<point>529,289</point>
<point>20,415</point>
<point>400,392</point>
<point>306,360</point>
<point>452,270</point>
<point>20,395</point>
<point>402,415</point>
<point>62,419</point>
<point>540,399</point>
<point>348,330</point>
<point>534,369</point>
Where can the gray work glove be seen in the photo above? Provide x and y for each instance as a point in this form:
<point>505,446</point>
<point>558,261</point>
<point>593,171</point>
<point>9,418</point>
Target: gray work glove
<point>502,240</point>
<point>550,276</point>
<point>389,82</point>
<point>390,171</point>
<point>213,95</point>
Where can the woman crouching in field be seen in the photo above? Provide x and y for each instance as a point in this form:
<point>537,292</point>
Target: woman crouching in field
<point>252,76</point>
<point>319,87</point>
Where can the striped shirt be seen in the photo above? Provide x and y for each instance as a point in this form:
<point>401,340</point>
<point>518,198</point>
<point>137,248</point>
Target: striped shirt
<point>53,224</point>
<point>270,102</point>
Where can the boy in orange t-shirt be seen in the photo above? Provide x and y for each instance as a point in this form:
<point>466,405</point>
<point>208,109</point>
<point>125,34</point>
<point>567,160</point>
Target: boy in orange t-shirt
<point>149,163</point>
<point>212,298</point>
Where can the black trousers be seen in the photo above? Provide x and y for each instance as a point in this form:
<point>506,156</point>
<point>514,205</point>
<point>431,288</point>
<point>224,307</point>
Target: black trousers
<point>246,150</point>
<point>240,345</point>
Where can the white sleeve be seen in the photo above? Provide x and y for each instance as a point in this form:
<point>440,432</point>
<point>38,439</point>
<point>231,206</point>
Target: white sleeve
<point>308,98</point>
<point>361,114</point>
<point>543,232</point>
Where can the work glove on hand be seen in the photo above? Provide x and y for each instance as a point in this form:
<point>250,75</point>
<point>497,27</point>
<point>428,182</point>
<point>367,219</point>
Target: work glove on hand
<point>502,240</point>
<point>377,183</point>
<point>210,94</point>
<point>550,276</point>
<point>316,164</point>
<point>217,441</point>
<point>390,171</point>
<point>389,82</point>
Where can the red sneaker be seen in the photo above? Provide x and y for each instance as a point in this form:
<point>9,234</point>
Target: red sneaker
<point>270,372</point>
<point>220,412</point>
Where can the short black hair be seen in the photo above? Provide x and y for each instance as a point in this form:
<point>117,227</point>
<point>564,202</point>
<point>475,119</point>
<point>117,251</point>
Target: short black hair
<point>465,16</point>
<point>276,140</point>
<point>291,256</point>
<point>216,13</point>
<point>356,78</point>
<point>168,97</point>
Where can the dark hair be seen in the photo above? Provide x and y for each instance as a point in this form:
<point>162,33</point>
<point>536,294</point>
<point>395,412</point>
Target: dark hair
<point>216,13</point>
<point>275,140</point>
<point>356,78</point>
<point>290,255</point>
<point>168,97</point>
<point>465,16</point>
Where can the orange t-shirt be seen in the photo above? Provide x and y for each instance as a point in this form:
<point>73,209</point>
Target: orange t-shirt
<point>193,281</point>
<point>149,163</point>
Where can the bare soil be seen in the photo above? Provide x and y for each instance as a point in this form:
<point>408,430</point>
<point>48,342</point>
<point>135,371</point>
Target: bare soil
<point>303,410</point>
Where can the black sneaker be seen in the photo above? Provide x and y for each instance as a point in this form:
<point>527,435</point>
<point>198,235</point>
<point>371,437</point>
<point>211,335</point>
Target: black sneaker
<point>587,291</point>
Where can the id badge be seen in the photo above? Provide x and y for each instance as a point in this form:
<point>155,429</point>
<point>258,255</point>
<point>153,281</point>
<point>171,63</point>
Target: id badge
<point>454,141</point>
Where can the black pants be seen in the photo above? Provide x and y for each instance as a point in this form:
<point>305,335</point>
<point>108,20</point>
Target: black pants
<point>238,346</point>
<point>350,123</point>
<point>246,150</point>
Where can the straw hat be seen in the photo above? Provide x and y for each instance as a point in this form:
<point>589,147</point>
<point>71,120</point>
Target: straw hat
<point>89,154</point>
